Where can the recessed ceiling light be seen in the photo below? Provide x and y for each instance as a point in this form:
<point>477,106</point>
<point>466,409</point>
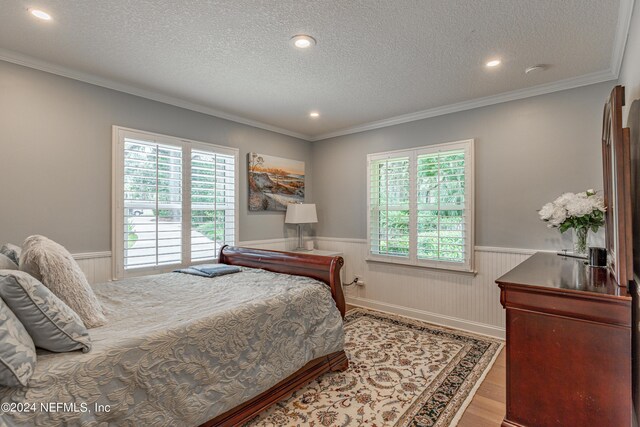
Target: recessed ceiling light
<point>302,41</point>
<point>493,63</point>
<point>40,14</point>
<point>314,114</point>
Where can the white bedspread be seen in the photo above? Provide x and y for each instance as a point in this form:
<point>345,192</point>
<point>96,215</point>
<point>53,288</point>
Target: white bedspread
<point>180,350</point>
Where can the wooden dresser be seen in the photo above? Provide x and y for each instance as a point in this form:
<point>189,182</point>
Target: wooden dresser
<point>568,345</point>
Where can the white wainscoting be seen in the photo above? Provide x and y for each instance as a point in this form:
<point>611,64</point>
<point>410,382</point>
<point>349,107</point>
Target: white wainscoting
<point>286,244</point>
<point>459,300</point>
<point>95,265</point>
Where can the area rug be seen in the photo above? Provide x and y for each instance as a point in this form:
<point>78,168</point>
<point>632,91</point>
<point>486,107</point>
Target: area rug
<point>402,372</point>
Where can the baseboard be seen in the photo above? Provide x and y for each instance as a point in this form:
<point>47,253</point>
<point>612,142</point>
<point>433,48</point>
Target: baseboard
<point>438,319</point>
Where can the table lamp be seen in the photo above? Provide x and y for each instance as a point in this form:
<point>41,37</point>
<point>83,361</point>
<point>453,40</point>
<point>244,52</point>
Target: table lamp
<point>301,213</point>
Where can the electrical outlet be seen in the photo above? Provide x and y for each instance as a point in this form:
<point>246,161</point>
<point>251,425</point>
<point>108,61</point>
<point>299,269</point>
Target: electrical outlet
<point>359,281</point>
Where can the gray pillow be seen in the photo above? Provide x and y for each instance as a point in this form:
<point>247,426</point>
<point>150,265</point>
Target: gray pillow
<point>11,251</point>
<point>17,352</point>
<point>50,322</point>
<point>6,263</point>
<point>54,266</point>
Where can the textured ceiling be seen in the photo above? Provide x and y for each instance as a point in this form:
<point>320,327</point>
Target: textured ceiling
<point>374,59</point>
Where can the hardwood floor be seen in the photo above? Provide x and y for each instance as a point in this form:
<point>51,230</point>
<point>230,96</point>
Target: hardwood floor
<point>488,406</point>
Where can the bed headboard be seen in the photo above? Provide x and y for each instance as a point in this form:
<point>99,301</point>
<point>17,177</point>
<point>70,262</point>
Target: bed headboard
<point>323,268</point>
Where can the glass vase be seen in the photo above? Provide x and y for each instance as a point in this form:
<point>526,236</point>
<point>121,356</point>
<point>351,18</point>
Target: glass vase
<point>580,241</point>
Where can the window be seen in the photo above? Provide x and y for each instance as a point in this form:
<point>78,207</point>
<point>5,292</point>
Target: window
<point>420,206</point>
<point>175,201</point>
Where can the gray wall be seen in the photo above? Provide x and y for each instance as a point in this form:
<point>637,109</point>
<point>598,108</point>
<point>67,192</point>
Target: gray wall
<point>630,70</point>
<point>55,157</point>
<point>527,153</point>
<point>56,160</point>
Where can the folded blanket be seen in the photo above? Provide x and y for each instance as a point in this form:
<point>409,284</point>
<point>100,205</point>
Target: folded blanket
<point>209,270</point>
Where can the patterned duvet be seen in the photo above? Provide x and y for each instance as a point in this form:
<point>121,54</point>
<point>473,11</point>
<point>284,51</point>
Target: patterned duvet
<point>179,350</point>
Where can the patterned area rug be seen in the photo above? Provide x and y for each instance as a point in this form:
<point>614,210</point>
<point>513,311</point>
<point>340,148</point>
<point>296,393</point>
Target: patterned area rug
<point>402,372</point>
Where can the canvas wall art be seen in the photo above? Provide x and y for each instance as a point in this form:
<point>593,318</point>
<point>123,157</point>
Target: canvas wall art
<point>274,182</point>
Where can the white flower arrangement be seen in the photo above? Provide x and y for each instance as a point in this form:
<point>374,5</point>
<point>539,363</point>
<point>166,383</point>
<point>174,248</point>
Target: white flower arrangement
<point>582,210</point>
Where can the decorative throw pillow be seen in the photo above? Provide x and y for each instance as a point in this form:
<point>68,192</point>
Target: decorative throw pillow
<point>6,263</point>
<point>54,266</point>
<point>11,251</point>
<point>50,322</point>
<point>17,352</point>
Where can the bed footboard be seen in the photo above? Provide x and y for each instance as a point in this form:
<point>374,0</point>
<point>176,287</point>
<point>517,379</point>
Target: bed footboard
<point>312,370</point>
<point>323,268</point>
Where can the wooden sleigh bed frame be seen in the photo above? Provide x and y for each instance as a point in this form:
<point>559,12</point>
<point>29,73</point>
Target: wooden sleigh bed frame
<point>325,269</point>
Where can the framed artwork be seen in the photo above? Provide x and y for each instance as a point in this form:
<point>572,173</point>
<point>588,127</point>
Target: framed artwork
<point>274,182</point>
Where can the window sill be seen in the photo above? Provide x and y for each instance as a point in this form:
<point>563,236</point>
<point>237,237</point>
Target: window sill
<point>407,263</point>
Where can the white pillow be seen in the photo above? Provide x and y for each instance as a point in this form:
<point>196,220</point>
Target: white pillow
<point>7,263</point>
<point>54,266</point>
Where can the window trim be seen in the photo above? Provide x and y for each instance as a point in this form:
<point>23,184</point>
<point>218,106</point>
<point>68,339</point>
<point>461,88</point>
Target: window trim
<point>119,133</point>
<point>412,260</point>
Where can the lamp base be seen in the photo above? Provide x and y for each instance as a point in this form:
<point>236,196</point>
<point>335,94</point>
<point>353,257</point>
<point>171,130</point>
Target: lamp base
<point>300,243</point>
<point>301,246</point>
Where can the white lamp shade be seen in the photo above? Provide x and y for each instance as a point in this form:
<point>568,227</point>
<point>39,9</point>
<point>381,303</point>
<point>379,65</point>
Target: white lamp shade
<point>301,213</point>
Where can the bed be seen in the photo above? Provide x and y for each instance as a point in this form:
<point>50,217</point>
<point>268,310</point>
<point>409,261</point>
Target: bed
<point>187,350</point>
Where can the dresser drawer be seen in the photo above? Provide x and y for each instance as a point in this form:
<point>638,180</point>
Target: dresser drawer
<point>564,372</point>
<point>601,310</point>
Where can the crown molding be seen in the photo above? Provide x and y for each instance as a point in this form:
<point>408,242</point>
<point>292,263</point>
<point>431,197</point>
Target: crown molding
<point>31,62</point>
<point>574,82</point>
<point>622,31</point>
<point>625,11</point>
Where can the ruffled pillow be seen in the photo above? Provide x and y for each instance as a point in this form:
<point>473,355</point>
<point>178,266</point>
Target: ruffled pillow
<point>54,266</point>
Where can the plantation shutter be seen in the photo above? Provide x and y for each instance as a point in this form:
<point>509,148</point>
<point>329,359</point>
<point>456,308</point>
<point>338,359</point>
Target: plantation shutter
<point>442,206</point>
<point>420,206</point>
<point>389,190</point>
<point>152,204</point>
<point>175,202</point>
<point>212,203</point>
